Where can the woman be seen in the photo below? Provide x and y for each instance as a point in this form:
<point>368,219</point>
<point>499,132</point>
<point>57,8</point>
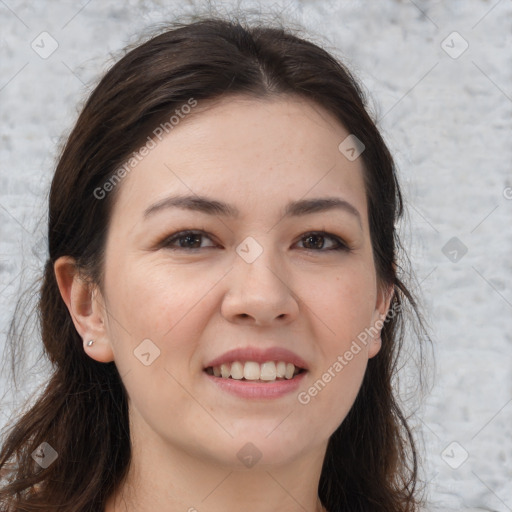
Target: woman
<point>221,302</point>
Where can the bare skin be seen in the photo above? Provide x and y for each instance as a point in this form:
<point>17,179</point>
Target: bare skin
<point>194,304</point>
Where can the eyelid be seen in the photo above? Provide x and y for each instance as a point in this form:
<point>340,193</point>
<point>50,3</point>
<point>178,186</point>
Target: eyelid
<point>165,243</point>
<point>342,245</point>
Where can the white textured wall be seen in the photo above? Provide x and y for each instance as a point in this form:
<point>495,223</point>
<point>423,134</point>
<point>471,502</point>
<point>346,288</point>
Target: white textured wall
<point>448,122</point>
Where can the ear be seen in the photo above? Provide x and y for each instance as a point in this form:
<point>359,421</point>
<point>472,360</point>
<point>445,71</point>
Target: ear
<point>382,305</point>
<point>86,307</point>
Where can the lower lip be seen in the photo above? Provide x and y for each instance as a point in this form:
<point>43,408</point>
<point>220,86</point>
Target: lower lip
<point>251,389</point>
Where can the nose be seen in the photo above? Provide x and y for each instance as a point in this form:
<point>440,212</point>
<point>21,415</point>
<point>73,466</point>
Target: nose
<point>259,294</point>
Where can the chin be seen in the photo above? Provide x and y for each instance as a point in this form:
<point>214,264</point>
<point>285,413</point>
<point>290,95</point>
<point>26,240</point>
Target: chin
<point>266,447</point>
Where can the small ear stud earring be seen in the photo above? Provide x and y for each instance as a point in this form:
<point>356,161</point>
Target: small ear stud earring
<point>89,343</point>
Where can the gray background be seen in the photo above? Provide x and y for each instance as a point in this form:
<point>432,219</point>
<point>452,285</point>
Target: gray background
<point>446,115</point>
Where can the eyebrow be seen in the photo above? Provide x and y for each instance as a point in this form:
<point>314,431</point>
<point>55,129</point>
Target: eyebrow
<point>213,207</point>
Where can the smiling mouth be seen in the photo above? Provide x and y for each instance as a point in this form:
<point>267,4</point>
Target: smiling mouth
<point>270,371</point>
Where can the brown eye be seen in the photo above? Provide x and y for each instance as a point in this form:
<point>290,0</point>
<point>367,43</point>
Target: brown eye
<point>315,241</point>
<point>185,240</point>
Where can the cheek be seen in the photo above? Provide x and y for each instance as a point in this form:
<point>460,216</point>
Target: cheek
<point>161,303</point>
<point>344,311</point>
<point>342,304</point>
<point>155,316</point>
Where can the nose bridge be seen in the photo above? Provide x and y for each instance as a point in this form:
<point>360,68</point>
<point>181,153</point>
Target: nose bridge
<point>259,285</point>
<point>259,267</point>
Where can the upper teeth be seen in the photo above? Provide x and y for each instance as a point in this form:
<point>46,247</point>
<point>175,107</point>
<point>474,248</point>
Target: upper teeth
<point>251,370</point>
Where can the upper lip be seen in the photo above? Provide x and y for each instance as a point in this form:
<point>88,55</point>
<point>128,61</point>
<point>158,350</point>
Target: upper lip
<point>259,355</point>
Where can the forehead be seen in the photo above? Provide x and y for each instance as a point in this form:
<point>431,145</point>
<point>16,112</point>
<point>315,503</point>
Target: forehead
<point>249,152</point>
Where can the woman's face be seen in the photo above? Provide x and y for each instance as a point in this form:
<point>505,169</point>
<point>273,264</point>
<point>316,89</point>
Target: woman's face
<point>251,278</point>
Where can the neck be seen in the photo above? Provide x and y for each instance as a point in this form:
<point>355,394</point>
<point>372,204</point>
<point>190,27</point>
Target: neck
<point>164,477</point>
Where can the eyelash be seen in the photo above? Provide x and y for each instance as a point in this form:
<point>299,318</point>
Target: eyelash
<point>166,243</point>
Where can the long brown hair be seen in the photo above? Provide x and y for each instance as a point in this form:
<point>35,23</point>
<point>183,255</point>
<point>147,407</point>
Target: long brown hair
<point>371,461</point>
